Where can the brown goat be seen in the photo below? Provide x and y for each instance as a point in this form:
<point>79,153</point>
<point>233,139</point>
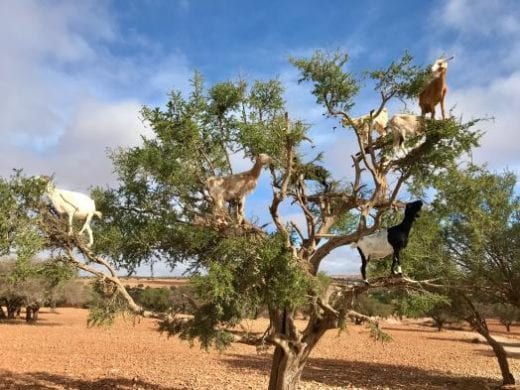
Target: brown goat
<point>435,92</point>
<point>235,187</point>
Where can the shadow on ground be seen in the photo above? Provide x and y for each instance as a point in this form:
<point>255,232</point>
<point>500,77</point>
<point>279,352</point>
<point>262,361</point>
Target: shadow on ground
<point>46,381</point>
<point>368,375</point>
<point>19,322</point>
<point>511,346</point>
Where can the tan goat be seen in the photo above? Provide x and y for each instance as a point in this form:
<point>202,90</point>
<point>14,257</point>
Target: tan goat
<point>235,187</point>
<point>435,92</point>
<point>378,124</point>
<point>403,125</point>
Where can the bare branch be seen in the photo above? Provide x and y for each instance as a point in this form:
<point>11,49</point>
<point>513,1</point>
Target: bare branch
<point>132,306</point>
<point>279,196</point>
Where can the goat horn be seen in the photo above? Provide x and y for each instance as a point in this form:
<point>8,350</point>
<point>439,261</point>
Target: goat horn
<point>449,59</point>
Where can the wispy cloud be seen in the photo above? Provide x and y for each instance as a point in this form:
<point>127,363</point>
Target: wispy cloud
<point>483,79</point>
<point>482,17</point>
<point>66,95</point>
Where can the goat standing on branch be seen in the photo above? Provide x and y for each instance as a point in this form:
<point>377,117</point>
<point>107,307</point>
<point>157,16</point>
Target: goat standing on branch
<point>388,241</point>
<point>363,124</point>
<point>235,187</point>
<point>402,125</point>
<point>74,205</point>
<point>435,92</point>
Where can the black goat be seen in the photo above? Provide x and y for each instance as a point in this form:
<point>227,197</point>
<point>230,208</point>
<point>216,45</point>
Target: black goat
<point>388,241</point>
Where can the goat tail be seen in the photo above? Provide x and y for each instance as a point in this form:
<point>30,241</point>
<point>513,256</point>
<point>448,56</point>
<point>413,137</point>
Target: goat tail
<point>98,214</point>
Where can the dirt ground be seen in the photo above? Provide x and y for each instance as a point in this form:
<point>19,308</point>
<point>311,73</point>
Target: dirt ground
<point>62,353</point>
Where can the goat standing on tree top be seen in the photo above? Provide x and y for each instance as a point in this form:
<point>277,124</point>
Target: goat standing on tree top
<point>435,92</point>
<point>388,241</point>
<point>74,205</point>
<point>235,187</point>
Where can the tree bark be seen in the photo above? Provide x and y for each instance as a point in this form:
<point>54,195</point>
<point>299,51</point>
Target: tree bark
<point>31,312</point>
<point>13,308</point>
<point>28,314</point>
<point>286,370</point>
<point>500,353</point>
<point>290,359</point>
<point>481,327</point>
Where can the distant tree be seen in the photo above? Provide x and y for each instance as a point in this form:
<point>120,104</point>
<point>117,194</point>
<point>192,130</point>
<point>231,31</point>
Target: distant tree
<point>20,241</point>
<point>477,213</point>
<point>29,284</point>
<point>507,314</point>
<point>23,280</point>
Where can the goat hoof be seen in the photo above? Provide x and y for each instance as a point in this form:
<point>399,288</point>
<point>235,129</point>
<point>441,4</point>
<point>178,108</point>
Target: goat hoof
<point>366,282</point>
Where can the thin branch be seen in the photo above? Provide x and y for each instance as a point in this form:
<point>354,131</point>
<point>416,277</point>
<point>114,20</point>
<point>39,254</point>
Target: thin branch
<point>279,196</point>
<point>132,306</point>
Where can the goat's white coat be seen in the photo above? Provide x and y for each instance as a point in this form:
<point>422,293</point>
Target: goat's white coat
<point>378,123</point>
<point>375,246</point>
<point>74,205</point>
<point>403,125</point>
<point>439,64</point>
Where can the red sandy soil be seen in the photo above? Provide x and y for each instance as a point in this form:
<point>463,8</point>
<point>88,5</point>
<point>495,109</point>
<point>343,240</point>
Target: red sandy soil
<point>62,353</point>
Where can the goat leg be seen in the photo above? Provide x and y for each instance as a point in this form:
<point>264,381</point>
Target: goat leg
<point>364,262</point>
<point>71,218</point>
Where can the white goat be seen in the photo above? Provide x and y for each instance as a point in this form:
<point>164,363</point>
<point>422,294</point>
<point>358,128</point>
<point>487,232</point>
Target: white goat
<point>378,124</point>
<point>235,187</point>
<point>74,205</point>
<point>403,125</point>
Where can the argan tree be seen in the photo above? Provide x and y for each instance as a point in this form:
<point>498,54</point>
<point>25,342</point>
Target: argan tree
<point>161,208</point>
<point>24,281</point>
<point>467,241</point>
<point>479,212</point>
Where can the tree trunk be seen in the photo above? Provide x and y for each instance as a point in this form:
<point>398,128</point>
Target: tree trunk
<point>28,314</point>
<point>481,327</point>
<point>13,309</point>
<point>286,370</point>
<point>31,313</point>
<point>36,311</point>
<point>439,322</point>
<point>289,361</point>
<point>2,314</point>
<point>13,306</point>
<point>500,353</point>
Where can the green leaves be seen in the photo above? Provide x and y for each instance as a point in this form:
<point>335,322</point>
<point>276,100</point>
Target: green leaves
<point>332,86</point>
<point>470,237</point>
<point>400,79</point>
<point>244,275</point>
<point>19,201</point>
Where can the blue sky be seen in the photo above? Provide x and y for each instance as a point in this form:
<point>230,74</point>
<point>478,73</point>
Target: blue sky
<point>73,75</point>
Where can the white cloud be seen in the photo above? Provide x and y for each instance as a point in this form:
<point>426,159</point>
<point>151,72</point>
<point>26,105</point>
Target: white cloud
<point>342,261</point>
<point>78,157</point>
<point>501,100</point>
<point>66,97</point>
<point>482,17</point>
<point>484,79</point>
